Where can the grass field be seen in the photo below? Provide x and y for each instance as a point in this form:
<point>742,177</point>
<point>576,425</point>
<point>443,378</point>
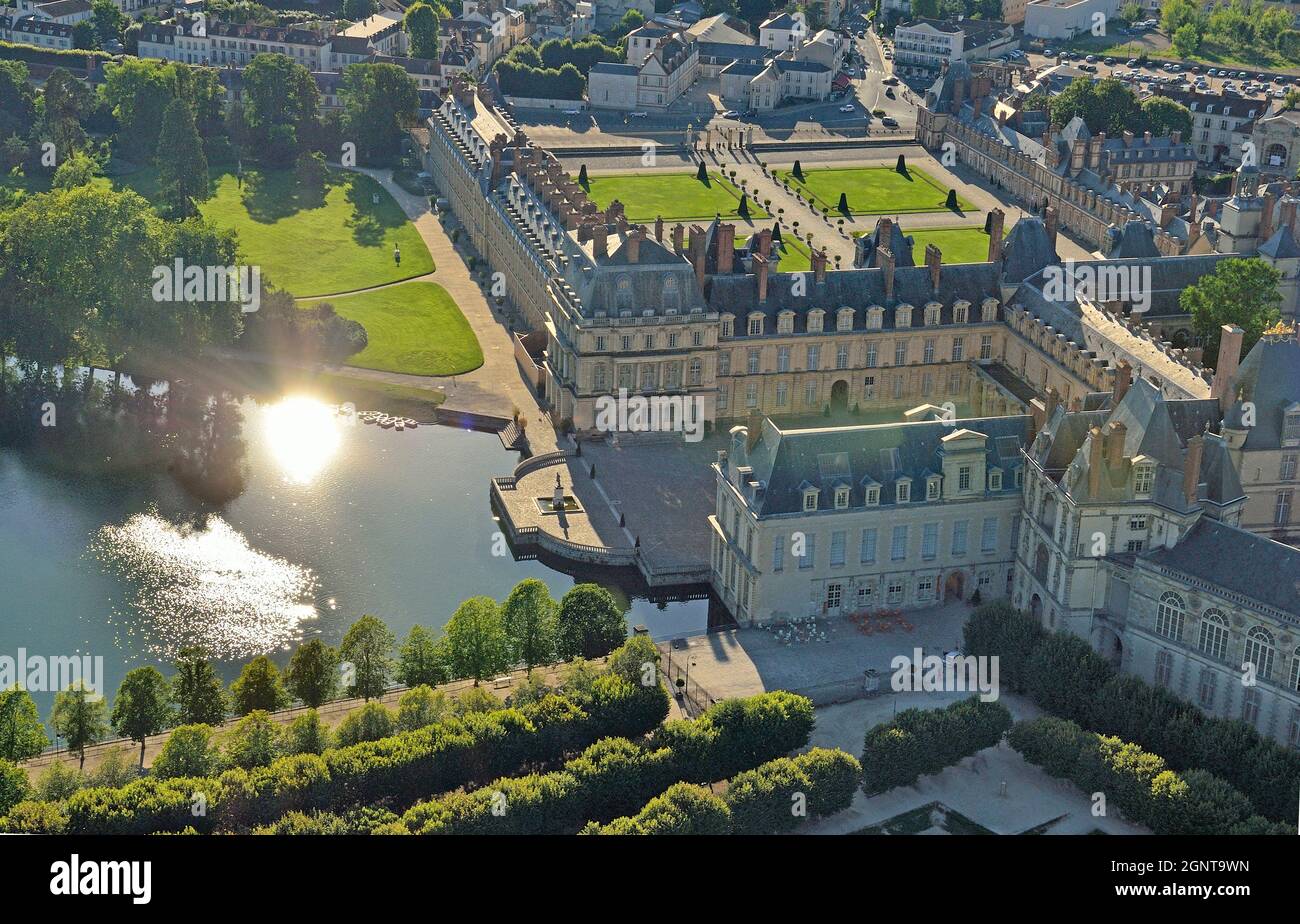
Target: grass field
<point>414,328</point>
<point>874,190</point>
<point>307,244</point>
<point>671,196</point>
<point>795,256</point>
<point>959,245</point>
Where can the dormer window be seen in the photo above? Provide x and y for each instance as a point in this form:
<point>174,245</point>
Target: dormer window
<point>875,317</point>
<point>932,314</point>
<point>726,325</point>
<point>961,312</point>
<point>1143,476</point>
<point>809,499</point>
<point>1291,426</point>
<point>903,490</point>
<point>995,480</point>
<point>903,316</point>
<point>755,325</point>
<point>932,485</point>
<point>841,497</point>
<point>844,319</point>
<point>873,496</point>
<point>989,309</point>
<point>815,321</point>
<point>785,322</point>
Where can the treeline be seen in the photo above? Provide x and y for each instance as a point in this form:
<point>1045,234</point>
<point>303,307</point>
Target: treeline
<point>1241,26</point>
<point>1064,676</point>
<point>919,742</point>
<point>1139,782</point>
<point>1110,106</point>
<point>556,70</point>
<point>481,639</point>
<point>456,748</point>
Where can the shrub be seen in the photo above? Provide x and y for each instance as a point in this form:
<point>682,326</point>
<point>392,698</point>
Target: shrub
<point>924,741</point>
<point>779,794</point>
<point>422,706</point>
<point>306,734</point>
<point>683,809</point>
<point>189,751</point>
<point>367,723</point>
<point>13,785</point>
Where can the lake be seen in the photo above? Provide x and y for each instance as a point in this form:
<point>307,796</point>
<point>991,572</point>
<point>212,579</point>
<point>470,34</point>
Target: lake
<point>338,519</point>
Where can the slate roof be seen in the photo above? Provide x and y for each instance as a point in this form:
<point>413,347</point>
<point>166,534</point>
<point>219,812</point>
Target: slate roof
<point>899,244</point>
<point>1027,250</point>
<point>1269,377</point>
<point>875,455</point>
<point>1282,245</point>
<point>1236,560</point>
<point>612,67</point>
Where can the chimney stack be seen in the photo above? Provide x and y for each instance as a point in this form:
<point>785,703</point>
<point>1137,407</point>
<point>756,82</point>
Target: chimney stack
<point>933,261</point>
<point>760,268</point>
<point>1094,463</point>
<point>1286,213</point>
<point>1123,379</point>
<point>995,235</point>
<point>1225,370</point>
<point>884,236</point>
<point>659,229</point>
<point>886,257</point>
<point>634,238</point>
<point>1192,469</point>
<point>1266,216</point>
<point>765,242</point>
<point>1053,402</point>
<point>819,265</point>
<point>726,247</point>
<point>678,233</point>
<point>697,245</point>
<point>1050,220</point>
<point>1115,444</point>
<point>600,240</point>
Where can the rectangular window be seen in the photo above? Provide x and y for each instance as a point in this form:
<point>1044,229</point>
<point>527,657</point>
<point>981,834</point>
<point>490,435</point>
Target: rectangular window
<point>927,351</point>
<point>783,359</point>
<point>782,394</point>
<point>898,544</point>
<point>809,556</point>
<point>1287,469</point>
<point>989,535</point>
<point>900,353</point>
<point>1164,667</point>
<point>751,394</point>
<point>869,386</point>
<point>963,478</point>
<point>958,349</point>
<point>1206,689</point>
<point>724,362</point>
<point>894,593</point>
<point>842,356</point>
<point>959,530</point>
<point>871,354</point>
<point>1282,510</point>
<point>648,341</point>
<point>868,551</point>
<point>986,346</point>
<point>930,541</point>
<point>810,393</point>
<point>834,593</point>
<point>600,344</point>
<point>751,361</point>
<point>814,357</point>
<point>778,553</point>
<point>838,543</point>
<point>925,589</point>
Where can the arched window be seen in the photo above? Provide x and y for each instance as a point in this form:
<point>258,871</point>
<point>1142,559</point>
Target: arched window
<point>1214,634</point>
<point>623,293</point>
<point>671,294</point>
<point>1259,651</point>
<point>1169,616</point>
<point>1275,156</point>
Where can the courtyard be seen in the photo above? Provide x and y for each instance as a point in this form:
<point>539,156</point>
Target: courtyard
<point>672,196</point>
<point>874,190</point>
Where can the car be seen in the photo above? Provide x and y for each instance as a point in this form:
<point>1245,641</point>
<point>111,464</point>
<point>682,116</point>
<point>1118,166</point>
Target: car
<point>889,122</point>
<point>573,112</point>
<point>1131,62</point>
<point>638,115</point>
<point>731,114</point>
<point>1048,53</point>
<point>749,114</point>
<point>1110,62</point>
<point>890,81</point>
<point>848,107</point>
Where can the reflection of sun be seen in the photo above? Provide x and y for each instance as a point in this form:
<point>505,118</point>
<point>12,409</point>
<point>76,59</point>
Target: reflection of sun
<point>303,434</point>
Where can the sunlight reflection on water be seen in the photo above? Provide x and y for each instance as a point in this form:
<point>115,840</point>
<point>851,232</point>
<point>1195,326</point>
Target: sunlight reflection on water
<point>205,585</point>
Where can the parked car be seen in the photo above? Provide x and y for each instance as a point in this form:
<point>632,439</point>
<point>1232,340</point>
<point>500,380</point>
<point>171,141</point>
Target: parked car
<point>638,115</point>
<point>889,122</point>
<point>848,107</point>
<point>731,114</point>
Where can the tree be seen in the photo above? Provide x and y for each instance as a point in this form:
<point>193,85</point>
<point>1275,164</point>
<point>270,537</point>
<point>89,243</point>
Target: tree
<point>901,165</point>
<point>591,623</point>
<point>380,101</point>
<point>138,90</point>
<point>476,639</point>
<point>79,717</point>
<point>253,742</point>
<point>305,735</point>
<point>13,786</point>
<point>359,9</point>
<point>743,210</point>
<point>702,173</point>
<point>1239,291</point>
<point>776,233</point>
<point>421,24</point>
<point>84,35</point>
<point>1187,40</point>
<point>369,723</point>
<point>109,21</point>
<point>17,100</point>
<point>21,733</point>
<point>63,105</point>
<point>420,661</point>
<point>313,673</point>
<point>197,691</point>
<point>843,206</point>
<point>258,687</point>
<point>182,165</point>
<point>421,706</point>
<point>311,171</point>
<point>366,647</point>
<point>140,708</point>
<point>1132,11</point>
<point>281,102</point>
<point>797,172</point>
<point>1163,116</point>
<point>1105,106</point>
<point>188,751</point>
<point>529,615</point>
<point>583,181</point>
<point>79,169</point>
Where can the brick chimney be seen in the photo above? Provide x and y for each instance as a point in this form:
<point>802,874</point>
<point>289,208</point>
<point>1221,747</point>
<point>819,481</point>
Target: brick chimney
<point>760,269</point>
<point>995,235</point>
<point>933,262</point>
<point>765,242</point>
<point>1115,444</point>
<point>633,249</point>
<point>1287,213</point>
<point>819,265</point>
<point>1053,402</point>
<point>726,247</point>
<point>1123,379</point>
<point>697,244</point>
<point>1094,463</point>
<point>679,233</point>
<point>1192,469</point>
<point>659,229</point>
<point>600,239</point>
<point>886,257</point>
<point>1051,219</point>
<point>1128,138</point>
<point>1266,216</point>
<point>1225,370</point>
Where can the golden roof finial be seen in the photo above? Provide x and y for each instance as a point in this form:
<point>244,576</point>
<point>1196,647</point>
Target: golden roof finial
<point>1280,331</point>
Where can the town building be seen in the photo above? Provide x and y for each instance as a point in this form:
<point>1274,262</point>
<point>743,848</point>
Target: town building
<point>32,30</point>
<point>925,46</point>
<point>1063,20</point>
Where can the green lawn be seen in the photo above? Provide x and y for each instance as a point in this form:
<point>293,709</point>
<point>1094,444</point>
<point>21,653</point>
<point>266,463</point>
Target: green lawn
<point>795,257</point>
<point>874,190</point>
<point>414,328</point>
<point>671,196</point>
<point>959,245</point>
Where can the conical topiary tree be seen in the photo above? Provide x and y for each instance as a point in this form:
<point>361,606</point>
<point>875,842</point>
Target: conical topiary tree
<point>702,174</point>
<point>776,233</point>
<point>582,177</point>
<point>844,203</point>
<point>901,166</point>
<point>744,205</point>
<point>798,171</point>
<point>988,222</point>
<point>951,201</point>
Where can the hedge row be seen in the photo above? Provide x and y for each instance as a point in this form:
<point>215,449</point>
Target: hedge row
<point>1064,676</point>
<point>923,741</point>
<point>1138,782</point>
<point>770,799</point>
<point>616,776</point>
<point>54,57</point>
<point>397,770</point>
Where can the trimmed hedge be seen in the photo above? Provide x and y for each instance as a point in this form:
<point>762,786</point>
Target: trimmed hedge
<point>399,770</point>
<point>685,808</point>
<point>918,742</point>
<point>1146,791</point>
<point>1062,674</point>
<point>615,775</point>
